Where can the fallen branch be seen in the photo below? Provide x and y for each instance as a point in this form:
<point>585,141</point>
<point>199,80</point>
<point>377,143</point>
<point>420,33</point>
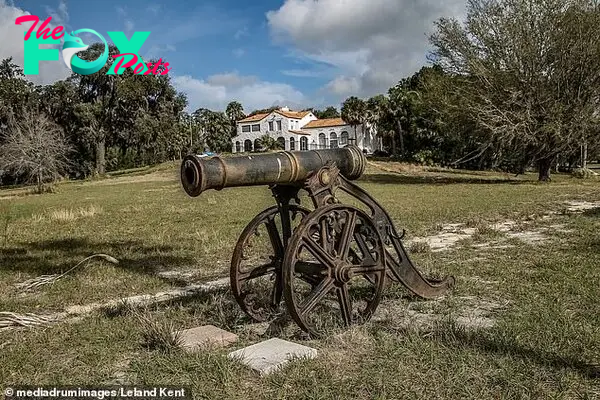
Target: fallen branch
<point>50,279</point>
<point>8,319</point>
<point>139,301</point>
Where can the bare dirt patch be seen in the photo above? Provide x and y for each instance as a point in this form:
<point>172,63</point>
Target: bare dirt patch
<point>451,235</point>
<point>468,312</point>
<point>447,238</point>
<point>178,275</point>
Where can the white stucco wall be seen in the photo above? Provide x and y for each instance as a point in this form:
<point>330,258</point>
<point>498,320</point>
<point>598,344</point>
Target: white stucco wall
<point>364,141</point>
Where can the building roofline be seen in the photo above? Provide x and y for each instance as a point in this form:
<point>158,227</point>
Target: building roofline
<point>325,123</point>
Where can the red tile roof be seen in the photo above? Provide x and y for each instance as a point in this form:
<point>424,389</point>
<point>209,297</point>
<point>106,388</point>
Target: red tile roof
<point>324,123</point>
<point>288,114</point>
<point>254,118</point>
<point>293,114</point>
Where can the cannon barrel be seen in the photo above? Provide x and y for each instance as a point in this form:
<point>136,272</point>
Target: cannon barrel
<point>285,167</point>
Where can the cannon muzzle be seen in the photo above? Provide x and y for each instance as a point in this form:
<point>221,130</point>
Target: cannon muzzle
<point>285,167</point>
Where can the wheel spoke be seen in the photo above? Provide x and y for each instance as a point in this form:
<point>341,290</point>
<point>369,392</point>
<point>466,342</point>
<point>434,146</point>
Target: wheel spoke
<point>275,237</point>
<point>364,248</point>
<point>345,303</point>
<point>324,236</point>
<point>346,236</point>
<point>316,295</point>
<point>311,273</point>
<point>318,252</point>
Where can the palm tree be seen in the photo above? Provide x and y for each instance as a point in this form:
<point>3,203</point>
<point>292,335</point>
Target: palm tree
<point>217,128</point>
<point>353,112</point>
<point>235,112</point>
<point>377,114</point>
<point>269,143</point>
<point>402,103</point>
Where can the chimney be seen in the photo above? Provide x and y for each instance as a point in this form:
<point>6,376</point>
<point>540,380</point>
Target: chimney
<point>286,109</point>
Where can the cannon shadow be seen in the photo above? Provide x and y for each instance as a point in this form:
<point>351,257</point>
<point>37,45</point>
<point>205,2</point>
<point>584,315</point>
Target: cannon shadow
<point>463,339</point>
<point>506,347</point>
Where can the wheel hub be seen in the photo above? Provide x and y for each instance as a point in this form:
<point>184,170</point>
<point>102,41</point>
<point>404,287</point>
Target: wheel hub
<point>343,272</point>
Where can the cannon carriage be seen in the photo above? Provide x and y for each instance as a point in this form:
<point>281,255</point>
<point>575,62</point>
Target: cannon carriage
<point>326,264</point>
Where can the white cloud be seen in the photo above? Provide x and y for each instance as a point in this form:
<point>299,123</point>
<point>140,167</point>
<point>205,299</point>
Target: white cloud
<point>60,16</point>
<point>129,25</point>
<point>218,90</point>
<point>127,21</point>
<point>304,73</point>
<point>239,53</point>
<point>344,85</point>
<point>240,33</point>
<point>12,42</point>
<point>121,11</point>
<point>231,80</point>
<point>372,43</point>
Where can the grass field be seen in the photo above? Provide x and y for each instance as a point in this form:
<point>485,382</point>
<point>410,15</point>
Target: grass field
<point>522,322</point>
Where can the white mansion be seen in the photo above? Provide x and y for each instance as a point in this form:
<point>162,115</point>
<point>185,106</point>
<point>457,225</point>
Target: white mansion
<point>300,131</point>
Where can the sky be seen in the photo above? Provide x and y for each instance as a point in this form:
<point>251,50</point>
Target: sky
<point>295,53</point>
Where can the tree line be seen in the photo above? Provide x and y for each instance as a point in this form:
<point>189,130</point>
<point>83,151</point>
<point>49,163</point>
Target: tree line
<point>515,86</point>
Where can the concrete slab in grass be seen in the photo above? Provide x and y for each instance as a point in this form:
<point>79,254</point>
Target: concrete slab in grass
<point>207,335</point>
<point>269,356</point>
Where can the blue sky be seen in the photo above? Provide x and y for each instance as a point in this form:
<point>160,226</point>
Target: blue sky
<point>265,52</point>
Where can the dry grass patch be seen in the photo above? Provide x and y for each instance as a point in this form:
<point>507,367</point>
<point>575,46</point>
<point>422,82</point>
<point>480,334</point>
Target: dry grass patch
<point>68,215</point>
<point>340,350</point>
<point>158,335</point>
<point>419,247</point>
<point>153,177</point>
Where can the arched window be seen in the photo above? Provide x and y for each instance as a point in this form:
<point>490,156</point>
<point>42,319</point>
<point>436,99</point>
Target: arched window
<point>238,147</point>
<point>344,139</point>
<point>257,146</point>
<point>292,143</point>
<point>281,141</point>
<point>322,141</point>
<point>303,143</point>
<point>333,140</point>
<point>247,145</point>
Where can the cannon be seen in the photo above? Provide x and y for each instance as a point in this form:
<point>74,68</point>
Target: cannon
<point>327,264</point>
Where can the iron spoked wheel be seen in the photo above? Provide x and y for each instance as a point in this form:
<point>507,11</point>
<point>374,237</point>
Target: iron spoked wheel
<point>255,273</point>
<point>334,269</point>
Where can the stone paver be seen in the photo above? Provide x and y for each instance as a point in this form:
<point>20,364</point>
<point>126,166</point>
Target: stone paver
<point>270,355</point>
<point>195,338</point>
